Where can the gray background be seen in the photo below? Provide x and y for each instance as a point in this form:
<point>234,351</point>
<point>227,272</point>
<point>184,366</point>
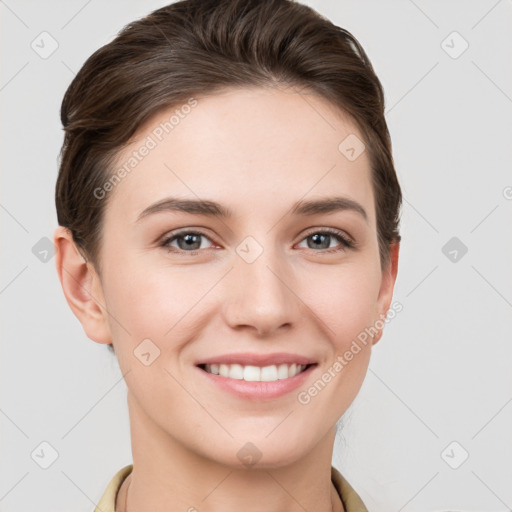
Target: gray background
<point>441,372</point>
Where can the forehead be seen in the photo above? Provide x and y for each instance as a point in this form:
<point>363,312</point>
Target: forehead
<point>247,148</point>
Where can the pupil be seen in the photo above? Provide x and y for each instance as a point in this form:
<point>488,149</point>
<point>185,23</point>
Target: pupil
<point>189,240</point>
<point>325,237</point>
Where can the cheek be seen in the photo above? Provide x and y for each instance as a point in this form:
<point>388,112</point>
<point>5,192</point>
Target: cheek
<point>153,302</point>
<point>345,302</point>
<point>160,301</point>
<point>344,298</point>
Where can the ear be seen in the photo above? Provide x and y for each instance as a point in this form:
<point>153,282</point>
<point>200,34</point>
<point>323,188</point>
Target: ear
<point>82,287</point>
<point>387,286</point>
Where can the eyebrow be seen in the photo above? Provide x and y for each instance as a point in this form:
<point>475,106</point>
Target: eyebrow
<point>214,209</point>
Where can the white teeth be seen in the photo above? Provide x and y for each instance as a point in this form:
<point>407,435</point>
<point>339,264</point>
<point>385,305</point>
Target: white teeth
<point>224,370</point>
<point>235,371</point>
<point>251,373</point>
<point>282,371</point>
<point>255,373</point>
<point>269,373</point>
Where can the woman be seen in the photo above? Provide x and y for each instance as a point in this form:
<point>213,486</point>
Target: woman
<point>228,225</point>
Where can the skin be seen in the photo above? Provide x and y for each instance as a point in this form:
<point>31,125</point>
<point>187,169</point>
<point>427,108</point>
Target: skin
<point>256,151</point>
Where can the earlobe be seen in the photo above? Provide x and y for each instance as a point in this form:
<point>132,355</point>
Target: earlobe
<point>387,287</point>
<point>81,286</point>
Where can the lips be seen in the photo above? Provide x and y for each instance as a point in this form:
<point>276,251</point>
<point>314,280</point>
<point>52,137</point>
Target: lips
<point>256,390</point>
<point>254,359</point>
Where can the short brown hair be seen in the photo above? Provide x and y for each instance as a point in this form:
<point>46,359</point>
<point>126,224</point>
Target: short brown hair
<point>194,47</point>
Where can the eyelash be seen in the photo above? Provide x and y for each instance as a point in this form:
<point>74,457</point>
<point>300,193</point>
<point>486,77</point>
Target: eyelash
<point>345,242</point>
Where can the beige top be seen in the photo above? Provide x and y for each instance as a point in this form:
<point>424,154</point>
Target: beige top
<point>350,499</point>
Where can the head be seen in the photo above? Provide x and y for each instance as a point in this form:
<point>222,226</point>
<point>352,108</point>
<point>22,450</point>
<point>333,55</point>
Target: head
<point>258,109</point>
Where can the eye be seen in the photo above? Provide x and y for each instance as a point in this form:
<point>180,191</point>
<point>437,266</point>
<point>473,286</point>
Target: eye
<point>187,241</point>
<point>191,241</point>
<point>322,239</point>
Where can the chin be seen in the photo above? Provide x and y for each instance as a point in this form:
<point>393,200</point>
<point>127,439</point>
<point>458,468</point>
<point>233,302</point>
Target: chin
<point>258,452</point>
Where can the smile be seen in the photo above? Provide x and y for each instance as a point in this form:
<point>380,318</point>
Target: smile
<point>250,373</point>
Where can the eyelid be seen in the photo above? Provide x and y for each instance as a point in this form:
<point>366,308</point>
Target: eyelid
<point>331,231</point>
<point>172,235</point>
<point>346,241</point>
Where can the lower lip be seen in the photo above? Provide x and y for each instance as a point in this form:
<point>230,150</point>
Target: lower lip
<point>259,390</point>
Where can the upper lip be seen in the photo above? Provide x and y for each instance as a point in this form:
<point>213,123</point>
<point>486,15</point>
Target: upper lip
<point>253,359</point>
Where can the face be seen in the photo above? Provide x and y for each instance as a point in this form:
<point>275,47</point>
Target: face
<point>183,285</point>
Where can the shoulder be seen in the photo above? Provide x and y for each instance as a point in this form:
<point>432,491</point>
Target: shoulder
<point>108,499</point>
<point>351,500</point>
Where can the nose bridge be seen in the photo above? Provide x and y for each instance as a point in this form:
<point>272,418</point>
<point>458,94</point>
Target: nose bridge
<point>261,284</point>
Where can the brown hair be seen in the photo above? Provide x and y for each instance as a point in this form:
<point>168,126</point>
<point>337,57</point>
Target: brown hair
<point>195,47</point>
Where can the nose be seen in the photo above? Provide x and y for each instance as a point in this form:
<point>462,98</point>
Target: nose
<point>260,295</point>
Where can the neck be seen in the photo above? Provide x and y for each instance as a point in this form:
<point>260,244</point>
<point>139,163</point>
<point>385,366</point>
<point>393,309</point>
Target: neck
<point>165,471</point>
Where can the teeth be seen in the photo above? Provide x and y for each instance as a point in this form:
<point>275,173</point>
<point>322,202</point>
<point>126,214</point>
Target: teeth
<point>255,373</point>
